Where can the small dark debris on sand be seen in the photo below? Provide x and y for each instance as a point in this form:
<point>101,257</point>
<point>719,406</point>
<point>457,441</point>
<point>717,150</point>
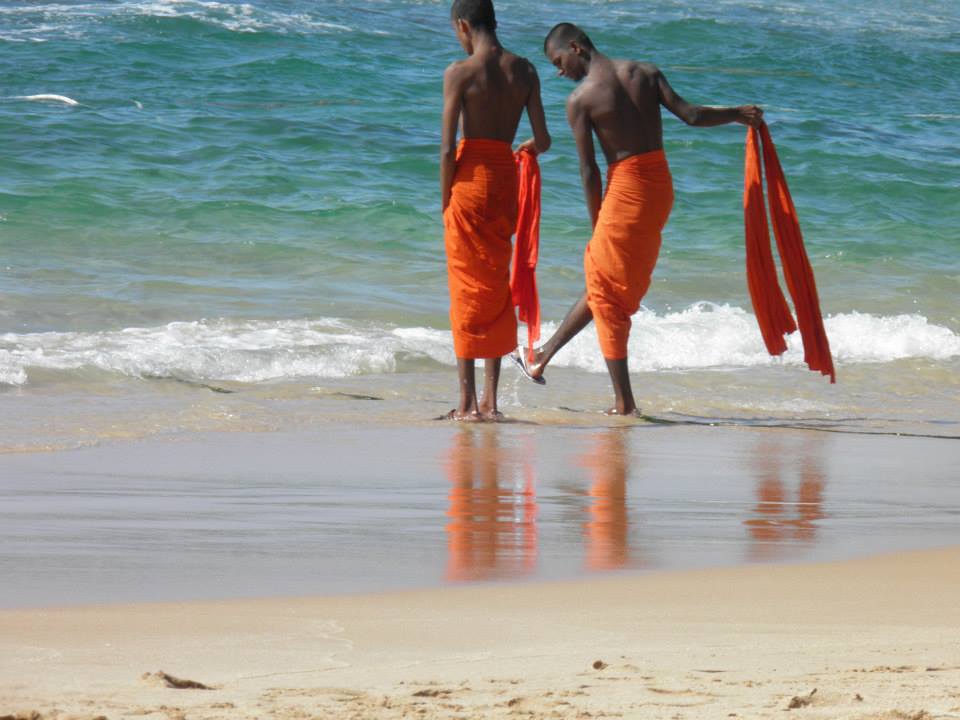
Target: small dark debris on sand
<point>798,702</point>
<point>599,665</point>
<point>162,678</point>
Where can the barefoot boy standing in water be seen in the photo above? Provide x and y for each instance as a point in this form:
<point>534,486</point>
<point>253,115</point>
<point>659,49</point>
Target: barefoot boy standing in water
<point>619,101</point>
<point>485,96</point>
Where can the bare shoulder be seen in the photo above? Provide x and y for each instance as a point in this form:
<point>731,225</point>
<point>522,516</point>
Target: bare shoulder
<point>456,72</point>
<point>579,99</point>
<point>521,68</point>
<point>632,71</point>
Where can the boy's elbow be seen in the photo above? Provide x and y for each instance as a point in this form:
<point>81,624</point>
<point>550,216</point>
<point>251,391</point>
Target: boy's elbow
<point>448,152</point>
<point>692,116</point>
<point>589,172</point>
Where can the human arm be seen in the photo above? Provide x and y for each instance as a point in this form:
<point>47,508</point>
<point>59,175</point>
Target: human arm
<point>452,105</point>
<point>540,142</point>
<point>704,115</point>
<point>582,128</point>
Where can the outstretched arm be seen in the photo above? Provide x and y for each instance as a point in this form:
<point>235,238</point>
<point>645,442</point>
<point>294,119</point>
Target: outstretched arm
<point>540,142</point>
<point>704,115</point>
<point>452,105</point>
<point>582,128</point>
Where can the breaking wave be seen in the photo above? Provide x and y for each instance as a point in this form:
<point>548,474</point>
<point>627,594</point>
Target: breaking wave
<point>703,336</point>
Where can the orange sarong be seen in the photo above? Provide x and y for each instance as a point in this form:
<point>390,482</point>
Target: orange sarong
<point>526,249</point>
<point>478,225</point>
<point>769,304</point>
<point>620,256</point>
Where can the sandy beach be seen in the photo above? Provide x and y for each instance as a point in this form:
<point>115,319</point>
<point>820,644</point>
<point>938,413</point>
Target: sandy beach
<point>873,638</point>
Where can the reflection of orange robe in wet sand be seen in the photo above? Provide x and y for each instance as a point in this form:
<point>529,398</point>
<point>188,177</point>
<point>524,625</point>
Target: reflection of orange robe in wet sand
<point>478,224</point>
<point>621,254</point>
<point>608,528</point>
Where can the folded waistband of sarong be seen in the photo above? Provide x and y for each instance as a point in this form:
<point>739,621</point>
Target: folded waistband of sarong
<point>653,158</point>
<point>485,149</point>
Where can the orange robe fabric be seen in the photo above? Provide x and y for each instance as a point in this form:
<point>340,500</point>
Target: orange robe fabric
<point>621,255</point>
<point>523,276</point>
<point>478,224</point>
<point>769,304</point>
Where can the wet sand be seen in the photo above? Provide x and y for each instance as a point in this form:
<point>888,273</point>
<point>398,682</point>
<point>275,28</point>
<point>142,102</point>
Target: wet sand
<point>872,638</point>
<point>347,509</point>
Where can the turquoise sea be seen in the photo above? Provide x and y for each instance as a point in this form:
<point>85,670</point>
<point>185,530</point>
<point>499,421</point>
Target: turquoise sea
<point>220,215</point>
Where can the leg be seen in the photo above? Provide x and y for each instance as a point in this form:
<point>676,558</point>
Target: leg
<point>491,377</point>
<point>577,318</point>
<point>467,409</point>
<point>620,377</point>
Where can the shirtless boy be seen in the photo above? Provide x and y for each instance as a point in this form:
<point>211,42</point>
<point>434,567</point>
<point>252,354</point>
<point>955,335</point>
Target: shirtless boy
<point>484,96</point>
<point>619,102</point>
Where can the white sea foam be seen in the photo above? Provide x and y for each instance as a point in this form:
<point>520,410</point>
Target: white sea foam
<point>11,370</point>
<point>713,336</point>
<point>935,116</point>
<point>236,17</point>
<point>703,336</point>
<point>224,350</point>
<point>46,97</point>
<point>73,19</point>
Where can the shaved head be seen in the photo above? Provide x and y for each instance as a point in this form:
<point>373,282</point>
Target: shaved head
<point>479,13</point>
<point>562,34</point>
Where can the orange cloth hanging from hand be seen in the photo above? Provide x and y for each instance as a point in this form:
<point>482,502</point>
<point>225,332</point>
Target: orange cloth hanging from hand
<point>523,275</point>
<point>478,224</point>
<point>621,255</point>
<point>769,304</point>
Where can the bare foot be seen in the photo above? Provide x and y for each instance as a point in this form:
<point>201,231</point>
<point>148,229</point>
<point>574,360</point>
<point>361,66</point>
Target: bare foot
<point>461,416</point>
<point>623,413</point>
<point>488,412</point>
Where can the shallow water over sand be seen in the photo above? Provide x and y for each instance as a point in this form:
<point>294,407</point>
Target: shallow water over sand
<point>346,509</point>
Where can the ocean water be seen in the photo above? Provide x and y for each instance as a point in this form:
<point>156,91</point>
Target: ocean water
<point>223,215</point>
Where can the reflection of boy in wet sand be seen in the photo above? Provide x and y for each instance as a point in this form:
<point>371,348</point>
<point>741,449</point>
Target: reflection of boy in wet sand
<point>485,95</point>
<point>485,536</point>
<point>772,526</point>
<point>619,101</point>
<point>607,530</point>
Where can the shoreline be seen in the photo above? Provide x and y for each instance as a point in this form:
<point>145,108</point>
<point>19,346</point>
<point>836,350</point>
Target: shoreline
<point>746,640</point>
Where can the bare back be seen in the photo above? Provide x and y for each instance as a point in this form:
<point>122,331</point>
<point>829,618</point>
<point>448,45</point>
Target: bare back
<point>622,100</point>
<point>494,89</point>
<point>484,97</point>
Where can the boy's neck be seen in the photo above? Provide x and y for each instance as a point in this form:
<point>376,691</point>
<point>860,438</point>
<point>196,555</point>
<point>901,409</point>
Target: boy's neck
<point>594,59</point>
<point>484,41</point>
